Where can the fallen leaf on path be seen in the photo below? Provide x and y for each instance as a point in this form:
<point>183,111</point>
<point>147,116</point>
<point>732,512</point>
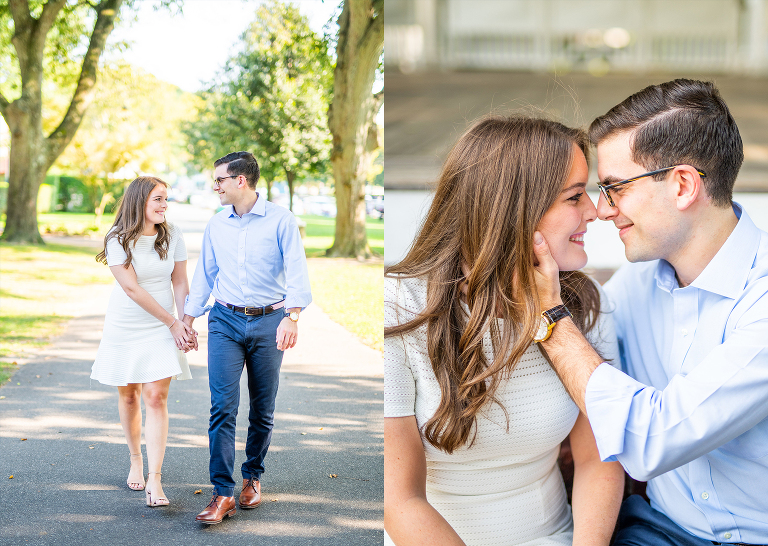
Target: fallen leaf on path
<point>321,428</point>
<point>10,477</point>
<point>198,491</point>
<point>274,500</point>
<point>333,475</point>
<point>1,397</point>
<point>303,433</point>
<point>23,439</point>
<point>90,447</point>
<point>37,376</point>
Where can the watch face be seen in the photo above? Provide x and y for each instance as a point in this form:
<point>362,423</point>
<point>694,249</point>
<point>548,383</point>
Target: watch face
<point>294,316</point>
<point>541,333</point>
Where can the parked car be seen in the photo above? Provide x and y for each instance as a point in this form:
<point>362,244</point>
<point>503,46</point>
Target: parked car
<point>374,206</point>
<point>320,205</point>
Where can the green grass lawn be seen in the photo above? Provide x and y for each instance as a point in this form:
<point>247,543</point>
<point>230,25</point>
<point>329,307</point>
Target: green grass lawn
<point>71,223</point>
<point>319,235</point>
<point>39,284</point>
<point>351,293</point>
<point>319,231</point>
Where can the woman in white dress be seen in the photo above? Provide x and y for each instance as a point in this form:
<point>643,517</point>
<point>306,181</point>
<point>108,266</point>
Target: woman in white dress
<point>143,344</point>
<point>474,414</point>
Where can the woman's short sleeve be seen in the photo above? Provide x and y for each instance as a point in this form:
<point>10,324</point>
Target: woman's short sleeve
<point>115,253</point>
<point>180,251</point>
<point>399,383</point>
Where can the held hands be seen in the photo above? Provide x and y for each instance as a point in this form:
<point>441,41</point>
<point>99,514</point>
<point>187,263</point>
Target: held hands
<point>184,335</point>
<point>547,273</point>
<point>287,334</point>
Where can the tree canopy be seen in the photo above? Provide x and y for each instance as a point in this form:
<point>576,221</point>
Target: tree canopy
<point>271,99</point>
<point>49,59</point>
<point>133,126</point>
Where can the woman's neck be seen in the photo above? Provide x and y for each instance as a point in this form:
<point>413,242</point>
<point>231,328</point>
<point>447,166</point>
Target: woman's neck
<point>149,229</point>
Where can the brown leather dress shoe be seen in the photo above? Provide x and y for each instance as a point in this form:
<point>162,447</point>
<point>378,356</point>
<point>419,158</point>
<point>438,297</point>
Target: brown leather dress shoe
<point>250,497</point>
<point>219,508</point>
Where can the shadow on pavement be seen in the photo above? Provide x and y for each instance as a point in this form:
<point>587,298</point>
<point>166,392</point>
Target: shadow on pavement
<point>61,439</point>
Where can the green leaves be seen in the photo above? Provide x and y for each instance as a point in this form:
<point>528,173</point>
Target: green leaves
<point>272,99</point>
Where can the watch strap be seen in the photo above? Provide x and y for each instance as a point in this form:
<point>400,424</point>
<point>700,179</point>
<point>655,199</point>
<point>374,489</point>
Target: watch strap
<point>556,313</point>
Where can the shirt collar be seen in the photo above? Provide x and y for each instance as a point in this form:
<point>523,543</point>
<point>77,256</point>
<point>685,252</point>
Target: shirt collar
<point>726,274</point>
<point>728,271</point>
<point>260,207</point>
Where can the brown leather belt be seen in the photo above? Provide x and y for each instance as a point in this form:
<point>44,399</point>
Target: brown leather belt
<point>255,311</point>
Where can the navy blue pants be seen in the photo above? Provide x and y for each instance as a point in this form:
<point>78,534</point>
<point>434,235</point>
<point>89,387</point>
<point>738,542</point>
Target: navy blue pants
<point>641,525</point>
<point>234,341</point>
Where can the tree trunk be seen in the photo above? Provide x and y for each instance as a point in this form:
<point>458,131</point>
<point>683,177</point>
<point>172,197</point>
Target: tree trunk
<point>352,112</point>
<point>106,199</point>
<point>32,153</point>
<point>290,176</point>
<point>27,169</point>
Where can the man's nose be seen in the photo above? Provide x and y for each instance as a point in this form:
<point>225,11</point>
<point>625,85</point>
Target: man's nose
<point>604,210</point>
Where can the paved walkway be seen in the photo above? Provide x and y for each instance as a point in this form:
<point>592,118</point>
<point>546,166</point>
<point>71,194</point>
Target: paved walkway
<point>60,438</point>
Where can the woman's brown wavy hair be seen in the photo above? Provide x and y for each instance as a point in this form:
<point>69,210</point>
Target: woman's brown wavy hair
<point>499,179</point>
<point>129,220</point>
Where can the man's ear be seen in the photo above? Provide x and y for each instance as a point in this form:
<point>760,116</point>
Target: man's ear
<point>687,185</point>
<point>242,181</point>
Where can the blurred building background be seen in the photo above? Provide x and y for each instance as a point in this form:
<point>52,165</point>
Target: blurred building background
<point>449,62</point>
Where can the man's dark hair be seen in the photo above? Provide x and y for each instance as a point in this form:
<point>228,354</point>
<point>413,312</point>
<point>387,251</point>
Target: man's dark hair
<point>241,163</point>
<point>679,122</point>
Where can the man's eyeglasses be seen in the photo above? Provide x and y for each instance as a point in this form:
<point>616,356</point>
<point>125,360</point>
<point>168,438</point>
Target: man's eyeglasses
<point>217,181</point>
<point>605,187</point>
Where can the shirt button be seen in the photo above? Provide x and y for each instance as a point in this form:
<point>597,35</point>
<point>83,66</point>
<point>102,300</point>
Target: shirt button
<point>705,495</point>
<point>727,535</point>
<point>684,331</point>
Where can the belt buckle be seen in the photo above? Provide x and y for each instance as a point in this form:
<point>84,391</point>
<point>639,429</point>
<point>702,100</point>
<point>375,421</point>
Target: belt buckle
<point>250,311</point>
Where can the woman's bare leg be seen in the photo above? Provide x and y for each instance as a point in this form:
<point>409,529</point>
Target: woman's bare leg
<point>129,407</point>
<point>156,432</point>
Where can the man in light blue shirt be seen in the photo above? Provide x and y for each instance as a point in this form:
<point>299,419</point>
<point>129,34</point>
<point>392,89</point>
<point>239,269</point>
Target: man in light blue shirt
<point>253,263</point>
<point>691,416</point>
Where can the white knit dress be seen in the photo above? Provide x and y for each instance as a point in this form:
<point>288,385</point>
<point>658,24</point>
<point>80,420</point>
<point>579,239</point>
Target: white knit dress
<point>135,346</point>
<point>506,489</point>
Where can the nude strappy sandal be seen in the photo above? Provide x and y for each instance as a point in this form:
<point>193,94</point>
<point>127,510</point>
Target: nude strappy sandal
<point>139,485</point>
<point>154,502</point>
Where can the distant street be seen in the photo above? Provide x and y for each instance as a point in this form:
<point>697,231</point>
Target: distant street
<point>426,113</point>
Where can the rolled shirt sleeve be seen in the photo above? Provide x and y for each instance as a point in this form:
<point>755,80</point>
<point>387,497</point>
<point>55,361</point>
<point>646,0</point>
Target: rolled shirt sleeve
<point>651,431</point>
<point>298,292</point>
<point>203,280</point>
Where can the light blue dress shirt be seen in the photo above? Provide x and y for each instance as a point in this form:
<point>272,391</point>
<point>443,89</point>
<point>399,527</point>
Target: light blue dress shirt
<point>694,420</point>
<point>251,261</point>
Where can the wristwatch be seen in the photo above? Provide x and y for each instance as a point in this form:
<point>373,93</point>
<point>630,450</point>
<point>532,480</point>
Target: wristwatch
<point>293,315</point>
<point>548,320</point>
